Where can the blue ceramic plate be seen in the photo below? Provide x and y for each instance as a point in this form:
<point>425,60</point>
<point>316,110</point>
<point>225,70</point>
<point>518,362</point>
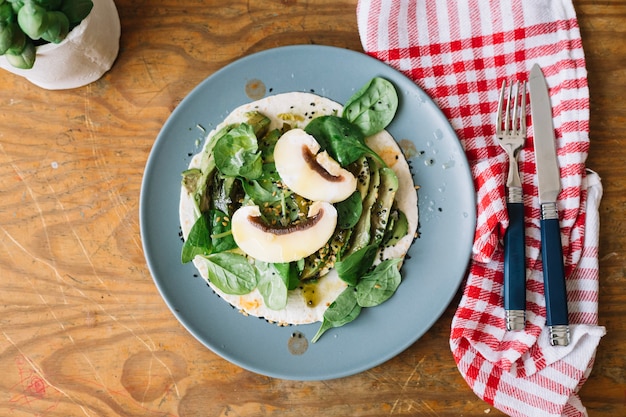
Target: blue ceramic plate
<point>437,260</point>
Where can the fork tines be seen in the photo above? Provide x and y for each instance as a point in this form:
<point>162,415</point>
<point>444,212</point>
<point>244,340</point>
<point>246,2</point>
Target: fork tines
<point>514,122</point>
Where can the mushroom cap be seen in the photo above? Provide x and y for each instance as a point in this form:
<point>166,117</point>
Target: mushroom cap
<point>269,243</point>
<point>306,172</point>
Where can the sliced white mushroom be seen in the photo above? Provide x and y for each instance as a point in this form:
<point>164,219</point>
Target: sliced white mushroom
<point>306,172</point>
<point>270,243</point>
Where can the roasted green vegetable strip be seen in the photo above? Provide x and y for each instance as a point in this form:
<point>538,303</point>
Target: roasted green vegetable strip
<point>361,235</point>
<point>382,207</point>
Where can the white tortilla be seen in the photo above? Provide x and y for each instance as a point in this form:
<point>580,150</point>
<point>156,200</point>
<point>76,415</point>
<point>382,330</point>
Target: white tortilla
<point>308,303</point>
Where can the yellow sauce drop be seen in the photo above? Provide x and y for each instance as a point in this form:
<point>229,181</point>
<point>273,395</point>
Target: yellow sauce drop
<point>311,294</point>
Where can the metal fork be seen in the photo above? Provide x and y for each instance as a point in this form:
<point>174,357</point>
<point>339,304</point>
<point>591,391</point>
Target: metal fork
<point>511,134</point>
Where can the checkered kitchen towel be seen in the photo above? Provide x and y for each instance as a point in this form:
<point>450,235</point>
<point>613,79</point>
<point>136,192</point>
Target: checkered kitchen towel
<point>460,52</point>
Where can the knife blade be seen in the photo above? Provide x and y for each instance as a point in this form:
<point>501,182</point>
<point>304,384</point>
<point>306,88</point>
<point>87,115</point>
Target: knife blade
<point>549,184</point>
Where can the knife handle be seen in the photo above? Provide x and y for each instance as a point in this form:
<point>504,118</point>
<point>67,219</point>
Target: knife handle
<point>515,268</point>
<point>554,275</point>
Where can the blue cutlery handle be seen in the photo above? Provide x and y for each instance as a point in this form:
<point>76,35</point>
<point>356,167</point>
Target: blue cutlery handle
<point>553,273</point>
<point>515,259</point>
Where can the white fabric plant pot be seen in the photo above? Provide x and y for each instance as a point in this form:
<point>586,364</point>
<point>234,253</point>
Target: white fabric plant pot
<point>87,52</point>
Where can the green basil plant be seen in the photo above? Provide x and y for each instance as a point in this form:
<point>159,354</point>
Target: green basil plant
<point>26,24</point>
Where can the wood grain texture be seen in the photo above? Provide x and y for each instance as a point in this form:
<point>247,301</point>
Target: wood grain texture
<point>83,330</point>
<point>604,39</point>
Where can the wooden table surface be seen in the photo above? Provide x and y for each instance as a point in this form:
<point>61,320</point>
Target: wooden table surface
<point>83,329</point>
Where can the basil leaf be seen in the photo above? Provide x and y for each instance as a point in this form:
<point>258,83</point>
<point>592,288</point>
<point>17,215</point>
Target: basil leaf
<point>342,139</point>
<point>373,107</point>
<point>76,10</point>
<point>340,312</point>
<point>32,19</point>
<point>231,273</point>
<point>349,211</point>
<point>236,153</point>
<point>378,286</point>
<point>273,284</point>
<point>355,265</point>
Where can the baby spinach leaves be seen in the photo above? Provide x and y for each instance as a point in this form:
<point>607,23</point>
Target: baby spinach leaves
<point>231,273</point>
<point>264,189</point>
<point>349,211</point>
<point>237,153</point>
<point>274,280</point>
<point>342,139</point>
<point>373,107</point>
<point>341,311</point>
<point>367,112</point>
<point>356,264</point>
<point>379,285</point>
<point>272,285</point>
<point>209,234</point>
<point>372,289</point>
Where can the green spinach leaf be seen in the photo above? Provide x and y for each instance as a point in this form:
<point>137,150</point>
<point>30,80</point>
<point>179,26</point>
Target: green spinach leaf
<point>373,107</point>
<point>265,188</point>
<point>198,241</point>
<point>343,140</point>
<point>231,273</point>
<point>289,272</point>
<point>341,311</point>
<point>273,284</point>
<point>267,143</point>
<point>349,211</point>
<point>209,234</point>
<point>237,153</point>
<point>221,235</point>
<point>379,285</point>
<point>355,265</point>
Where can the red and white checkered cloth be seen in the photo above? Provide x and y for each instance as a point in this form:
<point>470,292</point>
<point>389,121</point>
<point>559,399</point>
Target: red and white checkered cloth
<point>460,52</point>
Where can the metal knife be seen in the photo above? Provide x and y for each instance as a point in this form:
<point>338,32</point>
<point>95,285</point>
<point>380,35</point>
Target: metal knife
<point>549,181</point>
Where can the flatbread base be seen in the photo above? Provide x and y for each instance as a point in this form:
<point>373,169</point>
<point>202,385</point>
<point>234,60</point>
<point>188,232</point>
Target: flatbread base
<point>307,303</point>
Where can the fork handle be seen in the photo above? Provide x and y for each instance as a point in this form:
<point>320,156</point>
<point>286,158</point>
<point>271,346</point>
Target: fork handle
<point>515,267</point>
